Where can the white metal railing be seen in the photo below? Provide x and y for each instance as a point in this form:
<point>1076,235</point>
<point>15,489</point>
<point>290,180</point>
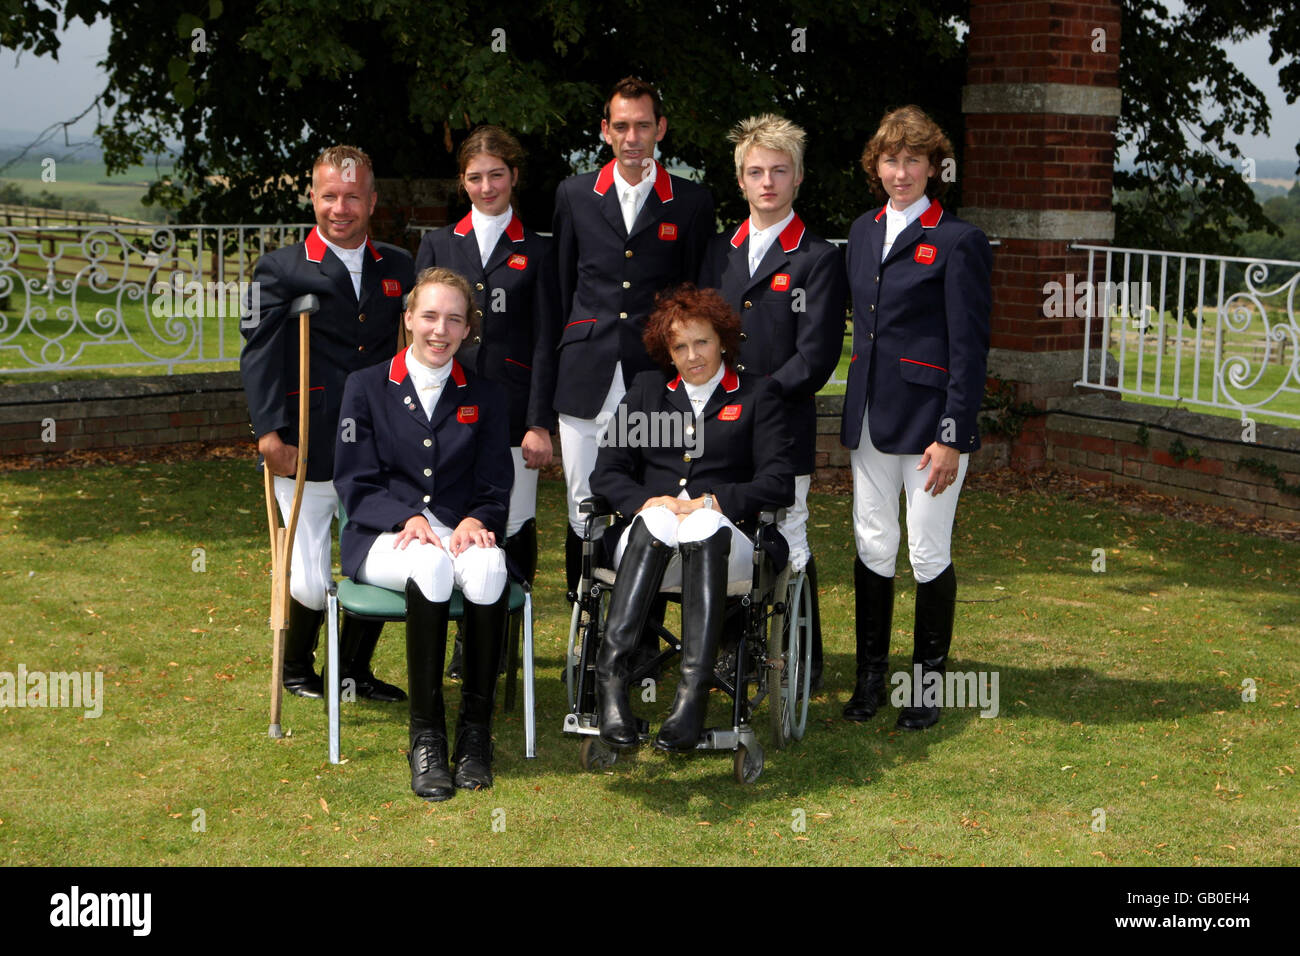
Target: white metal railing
<point>117,296</point>
<point>1213,331</point>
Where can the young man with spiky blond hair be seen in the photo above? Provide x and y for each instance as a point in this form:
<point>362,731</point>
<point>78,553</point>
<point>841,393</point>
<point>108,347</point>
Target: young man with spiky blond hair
<point>790,289</point>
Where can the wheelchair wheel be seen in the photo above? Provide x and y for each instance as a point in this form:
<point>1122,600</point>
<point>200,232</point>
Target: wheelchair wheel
<point>798,663</point>
<point>595,755</point>
<point>747,766</point>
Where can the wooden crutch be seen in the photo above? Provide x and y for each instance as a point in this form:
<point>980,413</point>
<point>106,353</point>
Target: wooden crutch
<point>282,537</point>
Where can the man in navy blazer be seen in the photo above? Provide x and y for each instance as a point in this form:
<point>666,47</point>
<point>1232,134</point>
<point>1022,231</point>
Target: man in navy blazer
<point>622,235</point>
<point>790,290</point>
<point>360,285</point>
<point>921,284</point>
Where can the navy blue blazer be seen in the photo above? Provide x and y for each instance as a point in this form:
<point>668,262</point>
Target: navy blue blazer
<point>516,300</point>
<point>792,313</point>
<point>346,334</point>
<point>741,454</point>
<point>608,278</point>
<point>920,333</point>
<point>396,462</point>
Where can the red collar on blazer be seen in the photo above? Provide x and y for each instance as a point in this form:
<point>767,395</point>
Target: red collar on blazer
<point>514,228</point>
<point>730,381</point>
<point>790,236</point>
<point>397,370</point>
<point>929,219</point>
<point>663,182</point>
<point>316,247</point>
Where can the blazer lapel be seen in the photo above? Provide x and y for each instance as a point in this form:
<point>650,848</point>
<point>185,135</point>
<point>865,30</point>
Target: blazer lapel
<point>403,393</point>
<point>332,267</point>
<point>722,393</point>
<point>735,274</point>
<point>773,260</point>
<point>612,211</point>
<point>905,240</point>
<point>676,397</point>
<point>455,393</point>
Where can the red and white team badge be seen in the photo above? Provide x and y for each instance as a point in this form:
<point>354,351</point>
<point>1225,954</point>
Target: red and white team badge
<point>667,230</point>
<point>392,288</point>
<point>517,262</point>
<point>780,282</point>
<point>729,413</point>
<point>925,254</point>
<point>467,414</point>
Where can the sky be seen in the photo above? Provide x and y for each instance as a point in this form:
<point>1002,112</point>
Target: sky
<point>38,91</point>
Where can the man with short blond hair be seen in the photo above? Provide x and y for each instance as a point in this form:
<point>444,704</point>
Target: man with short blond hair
<point>790,289</point>
<point>360,285</point>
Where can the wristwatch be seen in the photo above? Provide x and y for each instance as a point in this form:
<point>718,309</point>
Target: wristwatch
<point>708,500</point>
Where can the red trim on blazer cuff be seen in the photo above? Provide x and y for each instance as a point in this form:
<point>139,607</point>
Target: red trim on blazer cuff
<point>926,364</point>
<point>578,322</point>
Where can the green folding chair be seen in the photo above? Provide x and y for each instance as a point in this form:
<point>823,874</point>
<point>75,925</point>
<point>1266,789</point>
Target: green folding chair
<point>368,602</point>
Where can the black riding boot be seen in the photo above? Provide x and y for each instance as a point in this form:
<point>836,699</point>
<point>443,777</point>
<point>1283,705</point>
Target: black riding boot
<point>704,598</point>
<point>815,678</point>
<point>873,599</point>
<point>356,646</point>
<point>639,575</point>
<point>426,646</point>
<point>572,558</point>
<point>936,605</point>
<point>300,677</point>
<point>521,550</point>
<point>485,634</point>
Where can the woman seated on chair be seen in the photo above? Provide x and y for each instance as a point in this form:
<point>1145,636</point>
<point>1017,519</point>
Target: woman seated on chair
<point>691,458</point>
<point>422,465</point>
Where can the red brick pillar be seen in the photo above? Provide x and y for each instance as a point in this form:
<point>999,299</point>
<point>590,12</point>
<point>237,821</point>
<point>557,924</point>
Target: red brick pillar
<point>1041,103</point>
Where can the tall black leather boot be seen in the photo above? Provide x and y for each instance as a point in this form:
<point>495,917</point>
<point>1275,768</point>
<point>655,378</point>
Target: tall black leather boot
<point>485,634</point>
<point>873,600</point>
<point>572,558</point>
<point>704,598</point>
<point>300,677</point>
<point>426,646</point>
<point>815,679</point>
<point>356,646</point>
<point>521,550</point>
<point>639,575</point>
<point>936,606</point>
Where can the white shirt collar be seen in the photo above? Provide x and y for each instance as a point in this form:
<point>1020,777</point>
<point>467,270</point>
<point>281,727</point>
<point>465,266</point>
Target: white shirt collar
<point>642,189</point>
<point>488,229</point>
<point>352,260</point>
<point>896,221</point>
<point>699,394</point>
<point>760,240</point>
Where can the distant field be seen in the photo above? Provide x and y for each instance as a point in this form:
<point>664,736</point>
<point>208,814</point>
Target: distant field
<point>119,195</point>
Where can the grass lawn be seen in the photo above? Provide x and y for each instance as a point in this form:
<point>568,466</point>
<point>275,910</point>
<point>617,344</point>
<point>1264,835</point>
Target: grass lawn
<point>1120,692</point>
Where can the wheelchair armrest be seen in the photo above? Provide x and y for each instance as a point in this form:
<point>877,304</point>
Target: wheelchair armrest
<point>770,517</point>
<point>596,505</point>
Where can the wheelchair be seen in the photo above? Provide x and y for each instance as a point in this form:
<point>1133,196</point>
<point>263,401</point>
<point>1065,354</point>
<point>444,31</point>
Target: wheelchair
<point>771,662</point>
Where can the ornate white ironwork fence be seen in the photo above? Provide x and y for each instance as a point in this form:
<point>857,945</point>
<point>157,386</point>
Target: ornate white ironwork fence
<point>1214,331</point>
<point>117,296</point>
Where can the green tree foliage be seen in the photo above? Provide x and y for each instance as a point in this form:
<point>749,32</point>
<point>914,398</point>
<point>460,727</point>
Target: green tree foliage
<point>1183,98</point>
<point>253,91</point>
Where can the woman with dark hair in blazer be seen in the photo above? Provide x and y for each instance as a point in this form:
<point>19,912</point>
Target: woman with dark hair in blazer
<point>689,461</point>
<point>512,272</point>
<point>920,280</point>
<point>422,466</point>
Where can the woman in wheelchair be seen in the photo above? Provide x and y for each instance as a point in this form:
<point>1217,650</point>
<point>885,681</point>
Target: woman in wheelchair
<point>691,458</point>
<point>422,465</point>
